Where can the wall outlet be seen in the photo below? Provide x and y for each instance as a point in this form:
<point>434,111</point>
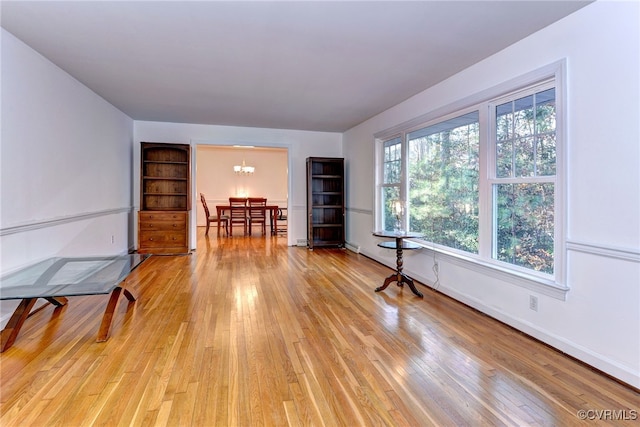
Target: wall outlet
<point>113,239</point>
<point>533,303</point>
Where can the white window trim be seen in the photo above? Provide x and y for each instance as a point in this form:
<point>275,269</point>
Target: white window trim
<point>545,284</point>
<point>379,177</point>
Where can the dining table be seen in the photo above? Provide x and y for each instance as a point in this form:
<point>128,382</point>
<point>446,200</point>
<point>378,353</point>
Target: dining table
<point>273,211</point>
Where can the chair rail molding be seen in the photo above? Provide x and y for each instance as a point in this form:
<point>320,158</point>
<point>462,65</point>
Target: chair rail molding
<point>625,254</point>
<point>52,222</point>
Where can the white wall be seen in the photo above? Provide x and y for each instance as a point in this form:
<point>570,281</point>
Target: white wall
<point>65,175</point>
<point>599,322</point>
<point>300,145</point>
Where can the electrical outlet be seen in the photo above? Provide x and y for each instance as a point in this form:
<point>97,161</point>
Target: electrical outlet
<point>113,239</point>
<point>533,303</point>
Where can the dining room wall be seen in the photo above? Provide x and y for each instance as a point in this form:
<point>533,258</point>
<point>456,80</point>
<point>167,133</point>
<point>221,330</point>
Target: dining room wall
<point>216,179</point>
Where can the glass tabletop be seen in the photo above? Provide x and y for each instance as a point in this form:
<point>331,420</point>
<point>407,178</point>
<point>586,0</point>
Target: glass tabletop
<point>398,234</point>
<point>62,277</point>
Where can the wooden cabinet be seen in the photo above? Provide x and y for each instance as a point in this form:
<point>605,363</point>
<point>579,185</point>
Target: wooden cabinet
<point>163,232</point>
<point>165,198</point>
<point>325,202</point>
<point>165,177</point>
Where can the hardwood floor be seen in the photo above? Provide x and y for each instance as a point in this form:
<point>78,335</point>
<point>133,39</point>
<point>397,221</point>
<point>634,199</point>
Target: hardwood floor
<point>248,332</point>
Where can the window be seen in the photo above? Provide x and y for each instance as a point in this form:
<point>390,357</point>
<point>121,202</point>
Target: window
<point>523,183</point>
<point>481,181</point>
<point>443,182</point>
<point>392,169</point>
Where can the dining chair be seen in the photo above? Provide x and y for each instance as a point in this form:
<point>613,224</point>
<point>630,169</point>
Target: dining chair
<point>257,213</point>
<point>238,213</point>
<point>280,221</point>
<point>224,220</point>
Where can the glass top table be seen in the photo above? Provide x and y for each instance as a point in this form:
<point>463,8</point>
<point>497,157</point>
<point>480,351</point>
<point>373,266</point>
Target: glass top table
<point>55,279</point>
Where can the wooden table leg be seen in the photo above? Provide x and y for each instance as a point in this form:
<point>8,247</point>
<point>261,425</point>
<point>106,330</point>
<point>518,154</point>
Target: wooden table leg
<point>105,325</point>
<point>399,276</point>
<point>11,330</point>
<point>219,213</point>
<point>406,279</point>
<point>57,301</point>
<point>387,282</point>
<point>273,222</point>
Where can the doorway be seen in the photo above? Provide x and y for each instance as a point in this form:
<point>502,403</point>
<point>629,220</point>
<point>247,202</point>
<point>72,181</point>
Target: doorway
<point>216,176</point>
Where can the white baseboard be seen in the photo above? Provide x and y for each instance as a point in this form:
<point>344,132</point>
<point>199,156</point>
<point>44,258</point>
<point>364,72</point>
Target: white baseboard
<point>598,361</point>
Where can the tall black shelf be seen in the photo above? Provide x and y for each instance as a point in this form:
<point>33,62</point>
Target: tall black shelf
<point>325,202</point>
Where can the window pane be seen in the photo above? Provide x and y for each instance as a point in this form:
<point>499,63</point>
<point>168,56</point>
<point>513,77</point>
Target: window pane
<point>392,159</point>
<point>523,116</point>
<point>546,153</point>
<point>546,131</point>
<point>526,136</point>
<point>546,111</point>
<point>389,195</point>
<point>504,123</point>
<point>443,182</point>
<point>524,157</point>
<point>391,172</point>
<point>524,225</point>
<point>504,158</point>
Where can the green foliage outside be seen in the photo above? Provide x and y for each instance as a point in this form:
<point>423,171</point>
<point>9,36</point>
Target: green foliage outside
<point>444,175</point>
<point>526,150</point>
<point>443,187</point>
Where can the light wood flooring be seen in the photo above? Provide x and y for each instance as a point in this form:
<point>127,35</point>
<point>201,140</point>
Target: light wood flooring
<point>249,332</point>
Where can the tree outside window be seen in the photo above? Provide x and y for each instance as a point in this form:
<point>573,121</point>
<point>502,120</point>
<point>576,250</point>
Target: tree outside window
<point>443,182</point>
<point>524,184</point>
<point>484,184</point>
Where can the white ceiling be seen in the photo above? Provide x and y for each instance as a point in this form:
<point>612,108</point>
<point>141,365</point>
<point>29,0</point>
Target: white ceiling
<point>322,66</point>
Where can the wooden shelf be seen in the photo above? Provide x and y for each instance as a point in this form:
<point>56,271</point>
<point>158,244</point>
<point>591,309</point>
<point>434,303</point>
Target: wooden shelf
<point>325,202</point>
<point>165,198</point>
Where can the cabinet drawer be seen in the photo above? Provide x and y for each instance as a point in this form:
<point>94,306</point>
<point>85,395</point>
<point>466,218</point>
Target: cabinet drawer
<point>150,239</point>
<point>180,217</point>
<point>163,225</point>
<point>163,232</point>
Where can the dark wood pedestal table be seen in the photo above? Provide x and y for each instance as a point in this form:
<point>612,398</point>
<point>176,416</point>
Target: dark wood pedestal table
<point>399,244</point>
<point>56,279</point>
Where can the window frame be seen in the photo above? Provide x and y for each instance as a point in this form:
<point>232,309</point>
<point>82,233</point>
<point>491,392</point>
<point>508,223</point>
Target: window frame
<point>552,75</point>
<point>381,186</point>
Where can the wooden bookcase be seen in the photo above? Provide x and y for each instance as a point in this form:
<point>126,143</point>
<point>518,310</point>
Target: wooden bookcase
<point>165,198</point>
<point>325,202</point>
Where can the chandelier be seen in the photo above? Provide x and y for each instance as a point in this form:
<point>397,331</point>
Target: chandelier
<point>244,169</point>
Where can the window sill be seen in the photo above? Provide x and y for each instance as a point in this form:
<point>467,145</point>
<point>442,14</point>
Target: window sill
<point>532,282</point>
